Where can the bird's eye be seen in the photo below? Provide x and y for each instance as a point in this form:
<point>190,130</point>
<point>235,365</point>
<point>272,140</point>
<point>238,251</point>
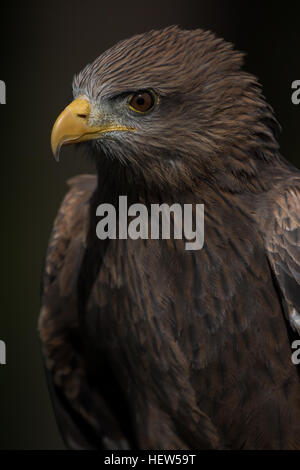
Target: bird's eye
<point>142,101</point>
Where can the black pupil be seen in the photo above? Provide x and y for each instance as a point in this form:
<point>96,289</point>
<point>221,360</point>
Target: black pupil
<point>140,100</point>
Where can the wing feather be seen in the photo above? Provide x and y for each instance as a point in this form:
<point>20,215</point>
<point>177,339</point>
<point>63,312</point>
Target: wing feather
<point>83,415</point>
<point>280,219</point>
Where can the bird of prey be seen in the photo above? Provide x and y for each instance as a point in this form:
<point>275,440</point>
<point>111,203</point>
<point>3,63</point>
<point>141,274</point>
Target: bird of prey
<point>148,345</point>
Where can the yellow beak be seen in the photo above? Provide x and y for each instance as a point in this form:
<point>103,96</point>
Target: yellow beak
<point>72,126</point>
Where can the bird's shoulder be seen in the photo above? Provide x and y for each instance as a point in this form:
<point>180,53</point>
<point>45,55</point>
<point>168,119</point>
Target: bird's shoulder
<point>82,426</point>
<point>63,261</point>
<point>278,216</point>
<point>69,232</point>
<point>58,320</point>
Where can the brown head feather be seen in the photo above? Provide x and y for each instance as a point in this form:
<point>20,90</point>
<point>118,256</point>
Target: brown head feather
<point>211,122</point>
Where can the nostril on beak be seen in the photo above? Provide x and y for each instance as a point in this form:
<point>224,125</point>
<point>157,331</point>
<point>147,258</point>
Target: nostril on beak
<point>84,116</point>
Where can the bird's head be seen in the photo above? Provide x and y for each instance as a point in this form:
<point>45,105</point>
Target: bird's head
<point>171,105</point>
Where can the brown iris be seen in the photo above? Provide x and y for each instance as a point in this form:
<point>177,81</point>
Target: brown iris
<point>142,101</point>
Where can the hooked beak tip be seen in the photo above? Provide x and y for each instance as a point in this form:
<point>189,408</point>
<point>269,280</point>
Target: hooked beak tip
<point>56,151</point>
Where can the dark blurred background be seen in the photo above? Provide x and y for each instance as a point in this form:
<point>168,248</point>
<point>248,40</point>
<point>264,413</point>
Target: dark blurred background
<point>43,44</point>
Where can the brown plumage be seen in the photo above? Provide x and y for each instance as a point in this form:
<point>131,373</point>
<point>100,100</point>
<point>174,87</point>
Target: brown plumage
<point>148,345</point>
